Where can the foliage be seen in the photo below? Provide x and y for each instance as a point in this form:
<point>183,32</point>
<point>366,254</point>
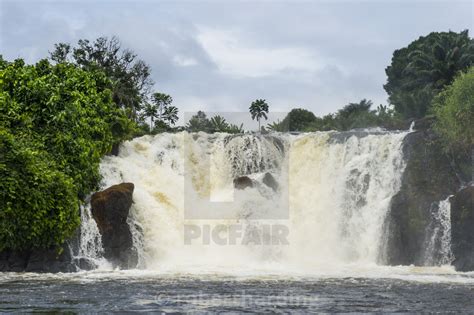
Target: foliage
<point>277,126</point>
<point>219,124</point>
<point>39,205</point>
<point>454,111</point>
<point>162,110</point>
<point>298,119</point>
<point>258,110</point>
<point>199,122</point>
<point>422,69</point>
<point>57,121</point>
<point>129,77</point>
<point>351,116</point>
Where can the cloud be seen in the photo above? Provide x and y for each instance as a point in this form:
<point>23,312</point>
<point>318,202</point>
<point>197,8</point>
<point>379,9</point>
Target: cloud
<point>232,55</point>
<point>220,56</point>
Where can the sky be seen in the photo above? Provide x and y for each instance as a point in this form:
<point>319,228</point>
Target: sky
<point>219,56</point>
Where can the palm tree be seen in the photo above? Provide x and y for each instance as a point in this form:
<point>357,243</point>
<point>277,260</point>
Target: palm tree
<point>219,124</point>
<point>170,115</point>
<point>259,109</point>
<point>150,111</point>
<point>162,101</point>
<point>436,63</point>
<point>276,126</point>
<point>235,129</point>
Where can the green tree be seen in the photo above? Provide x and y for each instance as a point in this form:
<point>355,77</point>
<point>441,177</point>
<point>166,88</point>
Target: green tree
<point>219,124</point>
<point>161,101</point>
<point>170,115</point>
<point>235,129</point>
<point>454,111</point>
<point>277,126</point>
<point>199,122</point>
<point>422,69</point>
<point>129,77</point>
<point>258,110</point>
<point>150,111</point>
<point>298,119</point>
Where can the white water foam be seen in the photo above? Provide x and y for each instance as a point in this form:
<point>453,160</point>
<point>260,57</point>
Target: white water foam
<point>438,248</point>
<point>333,196</point>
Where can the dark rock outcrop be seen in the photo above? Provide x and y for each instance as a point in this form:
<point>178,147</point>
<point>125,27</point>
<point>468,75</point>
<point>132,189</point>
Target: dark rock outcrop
<point>42,260</point>
<point>243,182</point>
<point>462,229</point>
<point>427,179</point>
<point>270,181</point>
<point>110,210</point>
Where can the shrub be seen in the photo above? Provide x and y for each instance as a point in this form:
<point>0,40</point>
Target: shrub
<point>454,110</point>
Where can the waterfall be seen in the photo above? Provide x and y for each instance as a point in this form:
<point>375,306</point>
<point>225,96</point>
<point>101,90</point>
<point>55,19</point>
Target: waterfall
<point>438,243</point>
<point>328,197</point>
<point>90,242</point>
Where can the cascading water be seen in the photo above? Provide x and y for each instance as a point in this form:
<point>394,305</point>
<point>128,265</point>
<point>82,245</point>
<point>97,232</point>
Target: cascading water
<point>332,194</point>
<point>90,242</point>
<point>438,243</point>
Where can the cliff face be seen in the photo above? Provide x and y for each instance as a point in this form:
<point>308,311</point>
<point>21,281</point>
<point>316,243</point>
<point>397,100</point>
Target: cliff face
<point>429,178</point>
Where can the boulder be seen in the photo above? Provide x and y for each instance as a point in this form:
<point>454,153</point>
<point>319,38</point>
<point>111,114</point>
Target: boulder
<point>462,229</point>
<point>243,182</point>
<point>50,261</point>
<point>110,209</point>
<point>270,181</point>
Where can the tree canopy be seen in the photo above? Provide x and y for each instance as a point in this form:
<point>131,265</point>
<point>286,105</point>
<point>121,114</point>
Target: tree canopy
<point>129,77</point>
<point>422,69</point>
<point>258,110</point>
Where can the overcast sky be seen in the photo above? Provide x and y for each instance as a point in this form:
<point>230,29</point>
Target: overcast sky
<point>220,55</point>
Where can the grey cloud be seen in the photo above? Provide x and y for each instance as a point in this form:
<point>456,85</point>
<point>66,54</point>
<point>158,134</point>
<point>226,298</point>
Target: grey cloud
<point>353,41</point>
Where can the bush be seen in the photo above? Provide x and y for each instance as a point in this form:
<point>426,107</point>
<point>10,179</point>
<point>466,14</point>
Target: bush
<point>454,110</point>
<point>39,206</point>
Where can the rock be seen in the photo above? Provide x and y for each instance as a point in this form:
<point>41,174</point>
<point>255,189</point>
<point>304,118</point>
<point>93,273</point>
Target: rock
<point>270,181</point>
<point>428,178</point>
<point>110,210</point>
<point>50,261</point>
<point>84,264</point>
<point>462,229</point>
<point>243,182</point>
<point>115,149</point>
<point>38,260</point>
<point>17,260</point>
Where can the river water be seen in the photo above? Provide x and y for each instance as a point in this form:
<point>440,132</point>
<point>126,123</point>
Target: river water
<point>395,289</point>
